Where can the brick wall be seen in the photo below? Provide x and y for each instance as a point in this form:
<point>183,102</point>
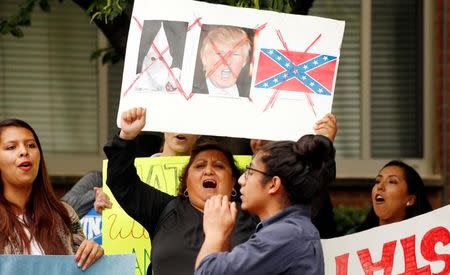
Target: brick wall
<point>439,80</point>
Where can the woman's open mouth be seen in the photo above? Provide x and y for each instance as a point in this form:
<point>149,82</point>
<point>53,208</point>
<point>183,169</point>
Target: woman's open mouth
<point>26,165</point>
<point>209,183</point>
<point>181,137</point>
<point>379,198</point>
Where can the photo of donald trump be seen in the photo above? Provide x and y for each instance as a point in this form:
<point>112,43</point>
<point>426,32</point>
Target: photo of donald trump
<point>223,61</point>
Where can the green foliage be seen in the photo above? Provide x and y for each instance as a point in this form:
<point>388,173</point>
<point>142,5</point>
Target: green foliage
<point>44,5</point>
<point>107,10</point>
<point>348,217</point>
<point>22,18</point>
<point>109,55</point>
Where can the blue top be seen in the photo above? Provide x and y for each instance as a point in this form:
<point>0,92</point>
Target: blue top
<point>287,243</point>
<point>92,226</point>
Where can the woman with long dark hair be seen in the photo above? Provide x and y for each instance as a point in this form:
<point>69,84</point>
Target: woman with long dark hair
<point>398,194</point>
<point>32,219</point>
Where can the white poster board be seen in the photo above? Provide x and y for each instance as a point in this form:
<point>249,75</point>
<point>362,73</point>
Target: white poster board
<point>420,245</point>
<point>218,70</point>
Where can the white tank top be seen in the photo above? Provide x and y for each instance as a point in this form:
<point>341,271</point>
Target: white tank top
<point>36,249</point>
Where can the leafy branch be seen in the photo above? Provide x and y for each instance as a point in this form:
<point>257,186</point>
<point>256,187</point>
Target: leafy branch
<point>22,18</point>
<point>107,10</point>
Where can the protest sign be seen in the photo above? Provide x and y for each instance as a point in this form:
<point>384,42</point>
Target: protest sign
<point>420,245</point>
<point>202,65</point>
<point>40,265</point>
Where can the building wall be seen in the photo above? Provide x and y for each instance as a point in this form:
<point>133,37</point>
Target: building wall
<point>443,73</point>
<point>357,192</point>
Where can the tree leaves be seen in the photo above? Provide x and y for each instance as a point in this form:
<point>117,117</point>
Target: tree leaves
<point>107,10</point>
<point>22,18</point>
<point>45,6</point>
<point>17,32</point>
<point>109,55</point>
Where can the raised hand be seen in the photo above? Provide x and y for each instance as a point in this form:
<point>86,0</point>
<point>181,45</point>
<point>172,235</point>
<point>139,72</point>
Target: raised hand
<point>101,200</point>
<point>132,122</point>
<point>327,126</point>
<point>219,216</point>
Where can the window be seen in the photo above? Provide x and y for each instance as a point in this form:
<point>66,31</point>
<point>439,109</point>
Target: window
<point>382,94</point>
<point>48,80</point>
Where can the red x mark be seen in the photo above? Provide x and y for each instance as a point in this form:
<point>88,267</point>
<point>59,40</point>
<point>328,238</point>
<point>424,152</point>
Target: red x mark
<point>275,95</point>
<point>225,58</point>
<point>161,58</point>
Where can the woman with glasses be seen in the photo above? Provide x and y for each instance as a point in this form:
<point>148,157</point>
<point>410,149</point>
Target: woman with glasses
<point>278,187</point>
<point>174,223</point>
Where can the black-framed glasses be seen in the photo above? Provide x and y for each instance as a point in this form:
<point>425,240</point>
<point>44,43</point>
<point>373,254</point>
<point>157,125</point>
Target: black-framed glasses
<point>248,168</point>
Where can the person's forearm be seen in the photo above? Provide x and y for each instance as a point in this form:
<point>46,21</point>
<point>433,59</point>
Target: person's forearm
<point>212,245</point>
<point>80,203</point>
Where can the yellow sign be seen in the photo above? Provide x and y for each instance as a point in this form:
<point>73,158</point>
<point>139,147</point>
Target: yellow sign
<point>122,234</point>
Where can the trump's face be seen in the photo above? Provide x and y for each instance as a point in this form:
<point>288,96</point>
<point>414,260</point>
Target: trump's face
<point>223,62</point>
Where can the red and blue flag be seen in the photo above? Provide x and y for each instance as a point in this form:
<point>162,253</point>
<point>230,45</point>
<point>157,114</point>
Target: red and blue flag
<point>296,71</point>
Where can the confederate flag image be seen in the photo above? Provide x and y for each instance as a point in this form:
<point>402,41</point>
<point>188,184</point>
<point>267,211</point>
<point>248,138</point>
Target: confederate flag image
<point>296,71</point>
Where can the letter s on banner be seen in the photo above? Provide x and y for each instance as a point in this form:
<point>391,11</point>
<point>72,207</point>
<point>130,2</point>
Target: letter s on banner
<point>427,247</point>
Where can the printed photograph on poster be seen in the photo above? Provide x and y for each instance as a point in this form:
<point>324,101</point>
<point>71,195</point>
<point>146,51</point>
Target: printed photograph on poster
<point>160,57</point>
<point>223,61</point>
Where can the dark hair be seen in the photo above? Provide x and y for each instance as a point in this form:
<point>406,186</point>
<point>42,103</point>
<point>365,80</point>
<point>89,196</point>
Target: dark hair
<point>305,167</point>
<point>206,146</point>
<point>44,213</point>
<point>415,187</point>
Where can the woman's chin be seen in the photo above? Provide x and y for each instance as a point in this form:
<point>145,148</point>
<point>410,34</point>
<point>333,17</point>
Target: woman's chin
<point>209,192</point>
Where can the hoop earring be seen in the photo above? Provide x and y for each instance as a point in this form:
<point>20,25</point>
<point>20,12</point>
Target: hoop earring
<point>186,194</point>
<point>233,193</point>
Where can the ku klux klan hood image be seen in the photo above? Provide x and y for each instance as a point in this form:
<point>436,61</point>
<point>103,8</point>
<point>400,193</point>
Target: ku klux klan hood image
<point>157,74</point>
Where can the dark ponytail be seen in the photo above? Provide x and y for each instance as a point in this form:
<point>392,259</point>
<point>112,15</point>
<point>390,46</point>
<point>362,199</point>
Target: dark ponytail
<point>304,167</point>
